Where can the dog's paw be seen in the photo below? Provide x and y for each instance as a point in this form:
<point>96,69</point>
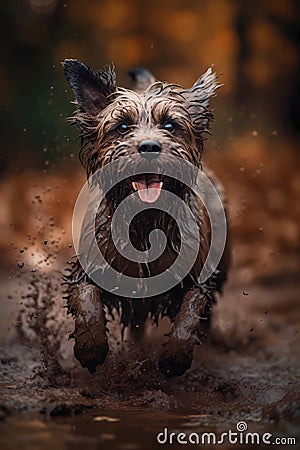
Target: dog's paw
<point>89,355</point>
<point>174,362</point>
<point>91,346</point>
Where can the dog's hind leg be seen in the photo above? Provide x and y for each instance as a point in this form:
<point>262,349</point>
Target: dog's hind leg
<point>90,334</point>
<point>189,328</point>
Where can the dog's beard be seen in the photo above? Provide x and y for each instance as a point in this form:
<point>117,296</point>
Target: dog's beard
<point>147,178</point>
<point>148,188</point>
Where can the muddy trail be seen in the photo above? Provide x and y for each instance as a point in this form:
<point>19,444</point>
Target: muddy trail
<point>248,371</point>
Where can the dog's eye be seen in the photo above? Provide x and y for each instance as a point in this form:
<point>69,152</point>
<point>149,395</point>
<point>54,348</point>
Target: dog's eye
<point>169,126</point>
<point>123,128</point>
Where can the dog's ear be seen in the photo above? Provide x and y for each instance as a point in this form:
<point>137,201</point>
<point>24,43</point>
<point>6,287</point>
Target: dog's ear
<point>198,99</point>
<point>91,89</point>
<point>205,87</point>
<point>141,78</point>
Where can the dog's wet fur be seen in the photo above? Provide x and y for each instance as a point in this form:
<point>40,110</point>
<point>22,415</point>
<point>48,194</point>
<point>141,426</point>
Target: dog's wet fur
<point>159,119</point>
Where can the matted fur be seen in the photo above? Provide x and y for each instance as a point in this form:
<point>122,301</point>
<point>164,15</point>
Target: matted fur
<point>101,108</point>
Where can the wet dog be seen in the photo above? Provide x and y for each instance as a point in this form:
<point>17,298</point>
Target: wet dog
<point>153,120</point>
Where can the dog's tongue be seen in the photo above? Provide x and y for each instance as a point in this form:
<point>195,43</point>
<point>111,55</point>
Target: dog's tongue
<point>148,191</point>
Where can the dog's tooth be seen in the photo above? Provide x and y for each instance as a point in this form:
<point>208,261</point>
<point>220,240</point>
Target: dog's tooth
<point>134,185</point>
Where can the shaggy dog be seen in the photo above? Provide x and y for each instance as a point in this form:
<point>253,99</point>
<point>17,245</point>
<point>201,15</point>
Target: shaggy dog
<point>153,121</point>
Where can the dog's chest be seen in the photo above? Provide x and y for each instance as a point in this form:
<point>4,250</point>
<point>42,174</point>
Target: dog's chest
<point>134,268</point>
<point>135,242</point>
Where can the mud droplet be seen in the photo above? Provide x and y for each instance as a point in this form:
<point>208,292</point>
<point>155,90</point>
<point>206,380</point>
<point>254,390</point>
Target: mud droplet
<point>245,293</point>
<point>45,242</point>
<point>20,264</point>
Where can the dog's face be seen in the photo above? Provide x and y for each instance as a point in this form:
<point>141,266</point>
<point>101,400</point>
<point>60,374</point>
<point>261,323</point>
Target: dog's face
<point>162,119</point>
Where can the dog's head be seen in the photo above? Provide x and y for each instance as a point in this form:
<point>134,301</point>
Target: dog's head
<point>158,120</point>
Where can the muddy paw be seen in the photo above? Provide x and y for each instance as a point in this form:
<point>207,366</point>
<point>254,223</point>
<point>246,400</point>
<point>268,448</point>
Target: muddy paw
<point>91,346</point>
<point>90,355</point>
<point>175,363</point>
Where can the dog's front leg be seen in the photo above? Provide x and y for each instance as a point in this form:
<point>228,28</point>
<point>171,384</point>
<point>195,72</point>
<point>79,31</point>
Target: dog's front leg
<point>90,334</point>
<point>178,354</point>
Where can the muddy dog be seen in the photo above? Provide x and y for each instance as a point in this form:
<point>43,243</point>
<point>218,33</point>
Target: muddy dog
<point>153,120</point>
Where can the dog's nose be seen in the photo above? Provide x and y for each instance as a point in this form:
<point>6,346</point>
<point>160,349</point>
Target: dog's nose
<point>149,149</point>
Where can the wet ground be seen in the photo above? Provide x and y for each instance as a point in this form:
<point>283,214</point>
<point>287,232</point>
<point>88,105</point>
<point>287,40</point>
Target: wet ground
<point>249,370</point>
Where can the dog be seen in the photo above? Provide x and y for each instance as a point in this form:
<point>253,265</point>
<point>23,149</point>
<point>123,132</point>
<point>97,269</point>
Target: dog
<point>154,119</point>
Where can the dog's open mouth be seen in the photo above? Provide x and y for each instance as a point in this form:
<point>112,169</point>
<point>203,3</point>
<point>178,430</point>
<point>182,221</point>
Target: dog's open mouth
<point>148,187</point>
